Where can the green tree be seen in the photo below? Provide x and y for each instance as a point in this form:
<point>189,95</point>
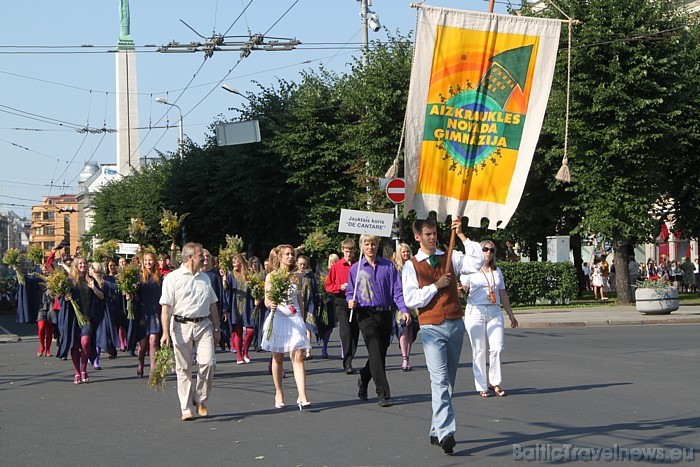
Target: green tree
<point>139,195</point>
<point>633,88</point>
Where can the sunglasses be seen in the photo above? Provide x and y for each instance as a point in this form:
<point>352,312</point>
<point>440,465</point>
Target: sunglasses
<point>485,249</point>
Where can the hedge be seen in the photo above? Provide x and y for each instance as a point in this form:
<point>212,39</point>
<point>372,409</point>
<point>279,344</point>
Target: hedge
<point>526,283</point>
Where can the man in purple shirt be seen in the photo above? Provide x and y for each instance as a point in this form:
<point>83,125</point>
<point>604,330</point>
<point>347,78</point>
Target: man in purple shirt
<point>379,289</point>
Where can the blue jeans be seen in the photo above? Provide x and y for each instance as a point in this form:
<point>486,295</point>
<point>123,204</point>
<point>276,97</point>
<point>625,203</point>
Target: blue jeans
<point>442,346</point>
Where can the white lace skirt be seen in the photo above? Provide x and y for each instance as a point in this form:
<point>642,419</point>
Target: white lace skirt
<point>288,331</point>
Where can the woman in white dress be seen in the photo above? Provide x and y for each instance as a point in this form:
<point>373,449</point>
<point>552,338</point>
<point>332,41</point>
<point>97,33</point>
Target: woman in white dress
<point>288,331</point>
<point>484,321</point>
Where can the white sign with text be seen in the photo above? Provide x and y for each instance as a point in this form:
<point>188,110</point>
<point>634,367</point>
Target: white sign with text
<point>365,222</point>
<point>127,248</point>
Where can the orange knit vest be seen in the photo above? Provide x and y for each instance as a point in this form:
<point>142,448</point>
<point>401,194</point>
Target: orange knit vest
<point>445,304</point>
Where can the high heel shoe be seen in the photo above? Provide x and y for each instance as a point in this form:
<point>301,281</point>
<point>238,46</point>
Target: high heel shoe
<point>76,379</point>
<point>84,378</point>
<point>303,406</point>
<point>279,405</point>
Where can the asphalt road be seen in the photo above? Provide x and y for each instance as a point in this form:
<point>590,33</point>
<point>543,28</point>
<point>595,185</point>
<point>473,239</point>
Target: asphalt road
<point>594,387</point>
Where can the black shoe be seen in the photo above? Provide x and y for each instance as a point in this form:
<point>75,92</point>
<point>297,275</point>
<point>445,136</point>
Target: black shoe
<point>434,441</point>
<point>362,391</point>
<point>448,443</point>
<point>349,370</point>
<point>384,402</point>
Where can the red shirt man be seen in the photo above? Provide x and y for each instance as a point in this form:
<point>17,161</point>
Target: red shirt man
<point>336,283</point>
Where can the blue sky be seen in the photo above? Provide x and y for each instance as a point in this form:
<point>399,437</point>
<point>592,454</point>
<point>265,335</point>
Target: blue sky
<point>61,84</point>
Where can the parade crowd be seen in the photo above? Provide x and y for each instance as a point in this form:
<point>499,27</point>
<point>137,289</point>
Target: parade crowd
<point>199,305</point>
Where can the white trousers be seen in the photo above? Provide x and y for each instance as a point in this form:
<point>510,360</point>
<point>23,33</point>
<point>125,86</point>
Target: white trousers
<point>484,325</point>
<point>185,337</point>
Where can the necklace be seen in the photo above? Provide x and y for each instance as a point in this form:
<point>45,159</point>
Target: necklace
<point>492,295</point>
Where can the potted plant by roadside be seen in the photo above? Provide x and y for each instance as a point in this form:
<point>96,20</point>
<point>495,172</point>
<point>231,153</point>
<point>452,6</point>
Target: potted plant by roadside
<point>656,297</point>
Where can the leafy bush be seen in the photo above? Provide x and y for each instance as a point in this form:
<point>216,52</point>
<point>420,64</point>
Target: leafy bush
<point>528,282</point>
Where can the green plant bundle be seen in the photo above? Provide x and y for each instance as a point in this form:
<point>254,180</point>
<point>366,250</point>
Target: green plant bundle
<point>35,254</point>
<point>256,284</point>
<point>280,286</point>
<point>163,365</point>
<point>58,285</point>
<point>12,257</point>
<point>170,224</point>
<point>138,230</point>
<point>279,292</point>
<point>128,280</point>
<point>234,245</point>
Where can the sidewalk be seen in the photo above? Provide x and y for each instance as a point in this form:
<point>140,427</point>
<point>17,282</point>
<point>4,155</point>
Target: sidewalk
<point>603,315</point>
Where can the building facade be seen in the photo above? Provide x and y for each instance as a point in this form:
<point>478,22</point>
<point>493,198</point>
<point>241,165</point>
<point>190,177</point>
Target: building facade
<point>55,221</point>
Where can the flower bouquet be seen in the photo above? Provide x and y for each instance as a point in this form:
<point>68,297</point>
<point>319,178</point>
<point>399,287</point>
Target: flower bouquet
<point>170,224</point>
<point>234,245</point>
<point>13,258</point>
<point>128,280</point>
<point>138,230</point>
<point>35,254</point>
<point>324,298</point>
<point>163,365</point>
<point>257,289</point>
<point>279,292</point>
<point>58,285</point>
<point>105,251</point>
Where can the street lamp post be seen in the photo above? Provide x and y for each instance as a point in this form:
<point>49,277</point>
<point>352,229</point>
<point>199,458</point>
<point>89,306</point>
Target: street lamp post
<point>181,141</point>
<point>234,91</point>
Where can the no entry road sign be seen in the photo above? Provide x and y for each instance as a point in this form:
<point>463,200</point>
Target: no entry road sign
<point>396,190</point>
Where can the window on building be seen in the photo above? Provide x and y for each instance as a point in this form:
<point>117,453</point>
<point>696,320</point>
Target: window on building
<point>48,245</point>
<point>48,215</point>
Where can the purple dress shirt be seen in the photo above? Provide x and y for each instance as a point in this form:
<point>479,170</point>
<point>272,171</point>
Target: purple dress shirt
<point>379,286</point>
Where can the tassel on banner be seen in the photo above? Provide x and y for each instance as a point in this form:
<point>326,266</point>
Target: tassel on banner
<point>564,175</point>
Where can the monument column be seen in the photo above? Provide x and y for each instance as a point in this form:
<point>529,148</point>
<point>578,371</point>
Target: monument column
<point>128,154</point>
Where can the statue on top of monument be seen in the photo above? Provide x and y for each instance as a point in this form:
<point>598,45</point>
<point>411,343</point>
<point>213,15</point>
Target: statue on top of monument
<point>124,20</point>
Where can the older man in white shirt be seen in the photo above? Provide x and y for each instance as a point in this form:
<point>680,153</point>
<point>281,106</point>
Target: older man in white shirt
<point>189,299</point>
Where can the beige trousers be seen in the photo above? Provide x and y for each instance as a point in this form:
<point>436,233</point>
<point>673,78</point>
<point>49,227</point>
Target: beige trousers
<point>199,336</point>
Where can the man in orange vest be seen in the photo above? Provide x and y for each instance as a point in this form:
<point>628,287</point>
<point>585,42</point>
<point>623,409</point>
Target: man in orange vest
<point>428,287</point>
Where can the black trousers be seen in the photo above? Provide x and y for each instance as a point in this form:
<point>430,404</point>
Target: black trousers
<point>376,328</point>
<point>349,331</point>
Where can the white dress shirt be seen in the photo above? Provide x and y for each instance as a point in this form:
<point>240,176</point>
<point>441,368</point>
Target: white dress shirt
<point>189,294</point>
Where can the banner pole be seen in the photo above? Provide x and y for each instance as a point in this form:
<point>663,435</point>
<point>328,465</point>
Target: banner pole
<point>448,266</point>
<point>357,276</point>
<point>491,5</point>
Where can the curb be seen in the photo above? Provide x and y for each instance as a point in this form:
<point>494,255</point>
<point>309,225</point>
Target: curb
<point>9,338</point>
<point>598,323</point>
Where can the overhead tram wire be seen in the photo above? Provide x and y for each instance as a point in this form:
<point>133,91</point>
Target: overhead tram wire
<point>237,18</point>
<point>225,76</point>
<point>239,59</point>
<point>36,152</point>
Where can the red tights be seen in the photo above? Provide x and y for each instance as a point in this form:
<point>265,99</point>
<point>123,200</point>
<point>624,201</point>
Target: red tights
<point>237,337</point>
<point>80,355</point>
<point>45,336</point>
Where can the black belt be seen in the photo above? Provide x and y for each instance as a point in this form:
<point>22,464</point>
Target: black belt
<point>376,308</point>
<point>182,319</point>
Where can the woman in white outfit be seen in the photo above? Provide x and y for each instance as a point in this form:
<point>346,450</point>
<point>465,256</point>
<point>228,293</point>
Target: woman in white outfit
<point>484,320</point>
<point>288,332</point>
